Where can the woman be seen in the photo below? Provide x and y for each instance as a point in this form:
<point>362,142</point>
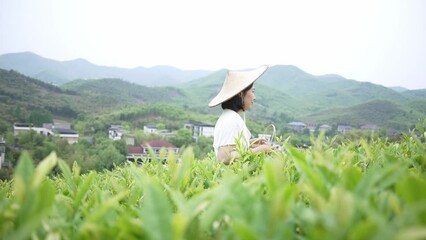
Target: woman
<point>236,96</point>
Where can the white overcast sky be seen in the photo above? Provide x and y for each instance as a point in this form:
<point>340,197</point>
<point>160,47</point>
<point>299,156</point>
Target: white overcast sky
<point>379,41</point>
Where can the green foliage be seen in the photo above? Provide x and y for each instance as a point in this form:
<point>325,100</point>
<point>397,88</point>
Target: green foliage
<point>33,199</point>
<point>357,190</point>
<point>183,137</point>
<point>202,146</point>
<point>295,95</point>
<point>103,154</point>
<point>20,95</point>
<point>39,117</point>
<point>100,93</point>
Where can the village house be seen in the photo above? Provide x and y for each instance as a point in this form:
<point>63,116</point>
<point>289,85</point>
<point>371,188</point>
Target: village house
<point>142,153</point>
<point>150,129</point>
<point>296,126</point>
<point>344,128</point>
<point>311,126</point>
<point>135,154</point>
<point>2,151</point>
<point>23,127</point>
<point>115,132</point>
<point>199,129</point>
<point>324,127</point>
<point>68,134</point>
<point>63,130</point>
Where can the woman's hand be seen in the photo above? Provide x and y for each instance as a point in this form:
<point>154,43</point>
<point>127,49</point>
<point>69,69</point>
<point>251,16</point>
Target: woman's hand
<point>260,145</point>
<point>258,141</point>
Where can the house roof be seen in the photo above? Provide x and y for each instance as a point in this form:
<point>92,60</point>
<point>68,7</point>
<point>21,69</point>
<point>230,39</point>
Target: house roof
<point>115,127</point>
<point>158,144</point>
<point>23,125</point>
<point>64,131</point>
<point>134,150</point>
<point>200,124</point>
<point>296,124</point>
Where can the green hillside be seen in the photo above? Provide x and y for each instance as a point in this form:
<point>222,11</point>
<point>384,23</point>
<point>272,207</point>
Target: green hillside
<point>420,93</point>
<point>300,92</point>
<point>382,113</point>
<point>324,92</point>
<point>286,92</point>
<point>271,105</point>
<point>20,96</point>
<point>337,100</point>
<point>115,92</point>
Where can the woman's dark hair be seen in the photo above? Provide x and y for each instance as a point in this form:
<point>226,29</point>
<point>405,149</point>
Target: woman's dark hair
<point>236,102</point>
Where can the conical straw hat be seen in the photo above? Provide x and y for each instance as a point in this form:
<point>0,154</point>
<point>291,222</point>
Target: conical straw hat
<point>235,82</point>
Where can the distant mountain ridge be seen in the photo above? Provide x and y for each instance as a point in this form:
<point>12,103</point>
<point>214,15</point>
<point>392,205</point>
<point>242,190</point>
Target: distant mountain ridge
<point>18,91</point>
<point>272,105</point>
<point>60,72</point>
<point>284,93</point>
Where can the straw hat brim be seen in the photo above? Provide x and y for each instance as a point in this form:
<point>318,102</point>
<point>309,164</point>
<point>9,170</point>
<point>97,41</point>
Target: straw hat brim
<point>235,82</point>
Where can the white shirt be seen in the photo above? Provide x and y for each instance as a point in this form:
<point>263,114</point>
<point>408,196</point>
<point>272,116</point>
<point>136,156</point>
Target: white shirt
<point>229,127</point>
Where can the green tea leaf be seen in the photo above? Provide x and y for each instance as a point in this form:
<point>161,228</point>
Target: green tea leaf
<point>25,168</point>
<point>44,168</point>
<point>157,213</point>
<point>412,188</point>
<point>66,173</point>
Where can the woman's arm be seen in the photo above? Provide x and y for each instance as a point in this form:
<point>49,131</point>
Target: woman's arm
<point>228,153</point>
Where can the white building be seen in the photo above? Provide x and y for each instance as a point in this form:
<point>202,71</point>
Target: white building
<point>48,129</point>
<point>297,126</point>
<point>21,127</point>
<point>115,132</point>
<point>2,151</point>
<point>324,127</point>
<point>200,129</point>
<point>70,135</point>
<point>344,128</point>
<point>150,129</point>
<point>311,126</point>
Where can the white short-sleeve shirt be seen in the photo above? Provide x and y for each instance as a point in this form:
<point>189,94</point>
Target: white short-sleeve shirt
<point>230,126</point>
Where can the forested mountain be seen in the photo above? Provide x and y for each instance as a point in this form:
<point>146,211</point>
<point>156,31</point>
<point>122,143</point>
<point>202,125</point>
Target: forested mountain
<point>287,93</point>
<point>420,93</point>
<point>22,96</point>
<point>59,72</point>
<point>383,113</point>
<point>283,94</point>
<point>112,92</point>
<point>326,91</point>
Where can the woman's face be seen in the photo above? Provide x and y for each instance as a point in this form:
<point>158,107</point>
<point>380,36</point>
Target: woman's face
<point>249,98</point>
